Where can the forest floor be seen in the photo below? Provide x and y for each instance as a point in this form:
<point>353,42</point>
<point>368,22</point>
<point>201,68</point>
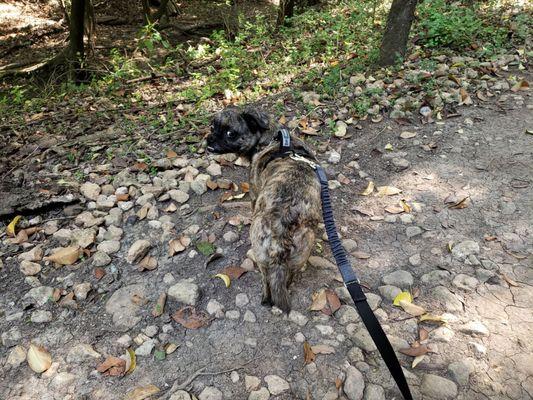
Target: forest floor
<point>144,219</point>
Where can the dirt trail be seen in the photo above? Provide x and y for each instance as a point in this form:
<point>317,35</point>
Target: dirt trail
<point>482,286</point>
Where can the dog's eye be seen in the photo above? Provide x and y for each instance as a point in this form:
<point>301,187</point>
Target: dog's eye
<point>231,134</point>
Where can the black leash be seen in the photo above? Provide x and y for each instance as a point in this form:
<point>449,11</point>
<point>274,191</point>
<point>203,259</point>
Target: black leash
<point>348,275</point>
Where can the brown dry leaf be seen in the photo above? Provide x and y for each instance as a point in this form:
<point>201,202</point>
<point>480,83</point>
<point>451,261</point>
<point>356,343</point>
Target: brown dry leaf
<point>417,360</point>
<point>333,302</point>
<point>509,281</point>
<point>22,237</point>
<point>143,211</point>
<point>148,263</point>
<point>65,256</point>
<point>338,383</point>
<point>412,309</point>
<point>172,154</point>
<point>463,203</point>
<point>361,255</point>
<point>99,273</point>
<point>171,208</point>
<point>160,305</point>
<point>388,190</point>
<point>407,135</point>
<point>481,96</point>
<point>343,179</point>
<point>140,166</point>
<point>309,355</point>
<point>394,209</point>
<point>38,358</point>
<point>323,349</point>
<point>309,131</point>
<point>465,97</point>
<point>415,351</point>
<point>320,300</point>
<point>189,318</point>
<point>112,366</point>
<point>282,120</point>
<point>224,183</point>
<point>142,393</point>
<point>211,184</point>
<point>234,272</point>
<point>423,334</point>
<point>245,187</point>
<point>369,189</point>
<point>522,85</point>
<point>178,245</point>
<point>123,197</point>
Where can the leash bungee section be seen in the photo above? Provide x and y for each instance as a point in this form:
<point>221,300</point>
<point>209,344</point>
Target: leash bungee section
<point>348,275</point>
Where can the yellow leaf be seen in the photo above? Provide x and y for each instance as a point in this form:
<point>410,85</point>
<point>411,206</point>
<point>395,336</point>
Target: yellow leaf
<point>411,308</point>
<point>65,256</point>
<point>142,392</point>
<point>225,278</point>
<point>133,361</point>
<point>433,318</point>
<point>320,300</point>
<point>10,230</point>
<point>406,207</point>
<point>403,296</point>
<point>388,147</point>
<point>369,189</point>
<point>418,360</point>
<point>388,190</point>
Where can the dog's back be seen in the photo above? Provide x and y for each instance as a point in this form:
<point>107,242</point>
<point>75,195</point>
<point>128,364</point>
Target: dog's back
<point>286,214</point>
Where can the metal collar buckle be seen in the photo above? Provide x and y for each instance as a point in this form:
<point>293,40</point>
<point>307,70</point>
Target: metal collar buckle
<point>297,157</point>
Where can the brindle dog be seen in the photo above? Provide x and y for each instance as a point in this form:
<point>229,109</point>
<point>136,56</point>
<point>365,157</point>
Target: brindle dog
<point>285,198</point>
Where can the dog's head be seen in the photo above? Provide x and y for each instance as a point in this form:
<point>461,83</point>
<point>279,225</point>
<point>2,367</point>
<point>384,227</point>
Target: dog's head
<point>238,132</point>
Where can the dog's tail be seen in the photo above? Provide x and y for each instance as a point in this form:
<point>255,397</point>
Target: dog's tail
<point>277,279</point>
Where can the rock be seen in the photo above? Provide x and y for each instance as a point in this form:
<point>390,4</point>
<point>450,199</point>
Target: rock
<point>214,169</point>
<point>475,328</point>
<point>400,163</point>
<point>40,317</point>
<point>298,318</point>
<point>389,292</point>
<point>125,205</point>
<point>415,260</point>
<point>100,259</point>
<point>185,291</point>
<point>138,250</point>
<point>374,392</point>
<point>349,245</point>
<point>321,262</point>
<point>347,314</point>
<point>114,217</point>
<point>61,381</point>
<point>230,237</point>
<point>373,300</point>
<point>29,268</point>
<point>399,278</point>
<point>82,237</point>
<point>355,354</point>
<point>261,394</point>
<point>82,352</point>
<point>151,330</point>
<point>413,231</point>
<point>437,277</point>
<point>276,385</point>
<point>361,338</point>
<point>465,282</point>
<point>215,308</point>
<point>447,298</point>
<point>145,349</point>
<point>113,233</point>
<point>441,334</point>
<point>461,370</point>
<point>81,290</point>
<point>241,300</point>
<point>199,185</point>
<point>464,249</point>
<point>180,395</point>
<point>104,202</point>
<point>90,190</point>
<point>123,308</point>
<point>437,387</point>
<point>334,157</point>
<point>38,296</point>
<point>11,337</point>
<point>249,316</point>
<point>354,385</point>
<point>35,254</point>
<point>124,341</point>
<point>210,393</point>
<point>233,314</point>
<point>325,330</point>
<point>178,196</point>
<point>251,382</point>
<point>87,220</point>
<point>16,356</point>
<point>109,246</point>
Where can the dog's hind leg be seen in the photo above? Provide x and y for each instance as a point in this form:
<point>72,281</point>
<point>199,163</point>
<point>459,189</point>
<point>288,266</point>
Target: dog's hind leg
<point>266,298</point>
<point>277,276</point>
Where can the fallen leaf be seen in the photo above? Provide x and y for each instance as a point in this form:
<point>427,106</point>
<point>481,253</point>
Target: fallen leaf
<point>22,237</point>
<point>148,263</point>
<point>160,305</point>
<point>226,279</point>
<point>433,318</point>
<point>361,255</point>
<point>211,185</point>
<point>418,360</point>
<point>423,334</point>
<point>39,359</point>
<point>323,349</point>
<point>388,190</point>
<point>510,281</point>
<point>406,207</point>
<point>369,189</point>
<point>133,362</point>
<point>463,203</point>
<point>415,351</point>
<point>143,211</point>
<point>171,208</point>
<point>394,209</point>
<point>224,183</point>
<point>189,318</point>
<point>172,154</point>
<point>123,197</point>
<point>142,392</point>
<point>465,97</point>
<point>319,300</point>
<point>10,230</point>
<point>333,302</point>
<point>140,166</point>
<point>309,355</point>
<point>522,85</point>
<point>99,273</point>
<point>245,187</point>
<point>407,135</point>
<point>65,256</point>
<point>338,383</point>
<point>205,248</point>
<point>389,147</point>
<point>402,296</point>
<point>234,272</point>
<point>112,366</point>
<point>340,129</point>
<point>411,308</point>
<point>171,348</point>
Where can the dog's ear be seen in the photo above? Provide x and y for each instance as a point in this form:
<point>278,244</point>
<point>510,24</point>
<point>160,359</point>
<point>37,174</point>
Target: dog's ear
<point>256,120</point>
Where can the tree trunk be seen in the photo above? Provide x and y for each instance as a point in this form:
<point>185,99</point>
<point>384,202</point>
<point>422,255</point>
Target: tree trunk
<point>394,42</point>
<point>285,10</point>
<point>231,20</point>
<point>75,51</point>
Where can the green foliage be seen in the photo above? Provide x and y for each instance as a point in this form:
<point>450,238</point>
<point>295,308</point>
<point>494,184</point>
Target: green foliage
<point>456,26</point>
<point>205,248</point>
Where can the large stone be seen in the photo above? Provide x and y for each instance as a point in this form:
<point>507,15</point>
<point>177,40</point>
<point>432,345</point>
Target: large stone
<point>448,299</point>
<point>82,352</point>
<point>261,394</point>
<point>199,185</point>
<point>461,370</point>
<point>413,231</point>
<point>81,290</point>
<point>38,296</point>
<point>251,382</point>
<point>11,337</point>
<point>83,237</point>
<point>362,339</point>
<point>29,268</point>
<point>138,250</point>
<point>100,259</point>
<point>276,384</point>
<point>475,328</point>
<point>389,292</point>
<point>374,392</point>
<point>465,282</point>
<point>464,249</point>
<point>347,314</point>
<point>215,308</point>
<point>109,246</point>
<point>210,393</point>
<point>298,318</point>
<point>354,385</point>
<point>178,196</point>
<point>35,254</point>
<point>145,349</point>
<point>185,291</point>
<point>437,387</point>
<point>400,278</point>
<point>441,334</point>
<point>90,190</point>
<point>40,316</point>
<point>124,306</point>
<point>180,395</point>
<point>17,356</point>
<point>435,278</point>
